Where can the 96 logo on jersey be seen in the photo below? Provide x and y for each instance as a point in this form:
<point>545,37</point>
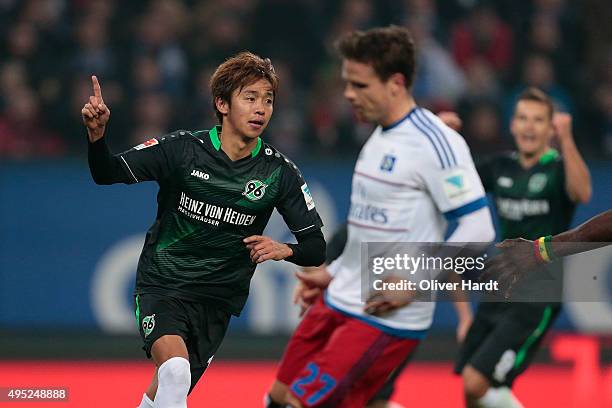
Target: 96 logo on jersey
<point>254,189</point>
<point>148,324</point>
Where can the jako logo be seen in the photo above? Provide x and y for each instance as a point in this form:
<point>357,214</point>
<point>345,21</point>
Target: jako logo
<point>200,174</point>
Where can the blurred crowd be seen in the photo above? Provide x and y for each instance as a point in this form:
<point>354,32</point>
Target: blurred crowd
<point>154,59</point>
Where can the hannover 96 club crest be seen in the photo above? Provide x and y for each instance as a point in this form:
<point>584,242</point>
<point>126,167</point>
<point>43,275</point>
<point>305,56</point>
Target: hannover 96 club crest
<point>254,189</point>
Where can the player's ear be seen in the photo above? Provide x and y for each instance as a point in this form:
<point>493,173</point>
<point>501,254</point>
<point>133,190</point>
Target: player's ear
<point>397,81</point>
<point>222,106</point>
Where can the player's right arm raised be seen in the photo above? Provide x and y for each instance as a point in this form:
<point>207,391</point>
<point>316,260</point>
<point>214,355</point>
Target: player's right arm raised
<point>151,160</point>
<point>95,113</point>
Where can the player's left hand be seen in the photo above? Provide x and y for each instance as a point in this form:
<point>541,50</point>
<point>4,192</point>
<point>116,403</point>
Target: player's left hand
<point>508,267</point>
<point>265,248</point>
<point>562,122</point>
<point>385,301</point>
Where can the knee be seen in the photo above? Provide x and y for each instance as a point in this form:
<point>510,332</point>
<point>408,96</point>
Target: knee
<point>475,385</point>
<point>175,371</point>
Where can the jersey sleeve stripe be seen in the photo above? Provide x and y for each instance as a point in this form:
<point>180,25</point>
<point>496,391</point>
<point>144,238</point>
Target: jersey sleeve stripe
<point>303,229</point>
<point>466,209</point>
<point>440,135</point>
<point>435,135</point>
<point>426,115</point>
<point>128,167</point>
<point>414,122</point>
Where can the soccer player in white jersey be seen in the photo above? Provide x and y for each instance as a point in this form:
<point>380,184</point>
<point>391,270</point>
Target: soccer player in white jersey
<point>413,174</point>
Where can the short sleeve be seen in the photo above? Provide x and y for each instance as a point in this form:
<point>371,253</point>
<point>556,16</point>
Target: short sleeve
<point>156,158</point>
<point>296,205</point>
<point>456,190</point>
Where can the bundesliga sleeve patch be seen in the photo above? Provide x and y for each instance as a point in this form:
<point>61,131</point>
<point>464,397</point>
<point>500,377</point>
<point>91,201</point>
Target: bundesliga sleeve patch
<point>456,185</point>
<point>148,143</point>
<point>308,197</point>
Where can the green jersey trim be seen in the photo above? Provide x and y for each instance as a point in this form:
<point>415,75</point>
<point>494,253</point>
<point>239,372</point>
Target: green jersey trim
<point>257,148</point>
<point>522,353</point>
<point>550,155</point>
<point>214,137</point>
<point>216,142</point>
<point>137,313</point>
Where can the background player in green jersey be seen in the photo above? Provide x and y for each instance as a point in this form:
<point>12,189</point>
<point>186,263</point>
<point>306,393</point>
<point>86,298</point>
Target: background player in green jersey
<point>535,190</point>
<point>218,189</point>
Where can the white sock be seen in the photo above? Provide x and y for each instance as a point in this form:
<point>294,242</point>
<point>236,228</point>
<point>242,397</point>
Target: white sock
<point>146,402</point>
<point>501,397</point>
<point>173,382</point>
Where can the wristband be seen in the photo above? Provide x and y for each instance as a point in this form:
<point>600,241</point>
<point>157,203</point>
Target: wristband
<point>549,249</point>
<point>543,248</point>
<point>536,251</point>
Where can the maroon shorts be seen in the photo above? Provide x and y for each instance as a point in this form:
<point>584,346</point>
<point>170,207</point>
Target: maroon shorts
<point>335,360</point>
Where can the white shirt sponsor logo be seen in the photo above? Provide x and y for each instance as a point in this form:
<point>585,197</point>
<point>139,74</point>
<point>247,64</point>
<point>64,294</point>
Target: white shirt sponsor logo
<point>200,174</point>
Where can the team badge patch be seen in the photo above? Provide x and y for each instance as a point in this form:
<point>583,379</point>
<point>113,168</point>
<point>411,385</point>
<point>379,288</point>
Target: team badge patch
<point>388,162</point>
<point>308,197</point>
<point>148,143</point>
<point>148,324</point>
<point>254,189</point>
<point>537,182</point>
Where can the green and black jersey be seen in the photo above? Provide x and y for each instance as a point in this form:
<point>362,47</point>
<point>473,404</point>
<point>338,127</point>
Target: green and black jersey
<point>532,202</point>
<point>207,205</point>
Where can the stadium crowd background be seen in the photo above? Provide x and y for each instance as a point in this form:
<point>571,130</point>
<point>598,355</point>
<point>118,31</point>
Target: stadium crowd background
<point>154,59</point>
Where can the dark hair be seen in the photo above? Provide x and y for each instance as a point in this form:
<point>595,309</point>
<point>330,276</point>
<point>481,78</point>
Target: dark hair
<point>237,72</point>
<point>537,95</point>
<point>389,50</point>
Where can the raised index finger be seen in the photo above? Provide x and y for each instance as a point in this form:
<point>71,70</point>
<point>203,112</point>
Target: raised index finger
<point>96,87</point>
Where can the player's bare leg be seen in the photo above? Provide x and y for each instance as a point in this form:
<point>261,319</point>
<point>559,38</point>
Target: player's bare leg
<point>149,395</point>
<point>277,395</point>
<point>475,386</point>
<point>384,404</point>
<point>292,401</point>
<point>480,394</point>
<point>152,390</point>
<point>173,372</point>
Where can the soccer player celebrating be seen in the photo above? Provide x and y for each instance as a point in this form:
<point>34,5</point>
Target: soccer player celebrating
<point>412,174</point>
<point>217,191</point>
<point>535,193</point>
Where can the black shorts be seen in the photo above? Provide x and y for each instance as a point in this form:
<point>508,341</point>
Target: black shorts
<point>504,338</point>
<point>201,325</point>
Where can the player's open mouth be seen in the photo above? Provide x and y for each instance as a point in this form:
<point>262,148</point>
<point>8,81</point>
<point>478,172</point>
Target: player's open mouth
<point>256,124</point>
<point>529,138</point>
